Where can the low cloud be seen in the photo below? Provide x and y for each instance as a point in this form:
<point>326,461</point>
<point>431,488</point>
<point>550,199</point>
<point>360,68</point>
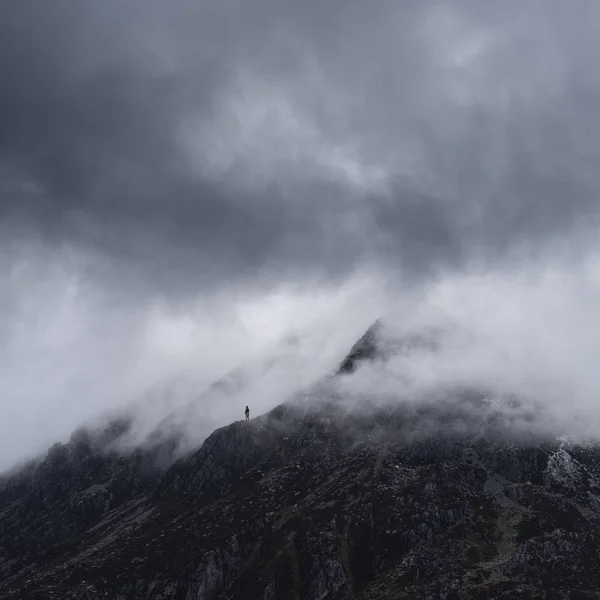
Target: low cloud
<point>530,335</point>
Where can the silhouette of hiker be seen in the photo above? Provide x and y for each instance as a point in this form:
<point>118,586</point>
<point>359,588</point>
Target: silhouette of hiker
<point>247,413</point>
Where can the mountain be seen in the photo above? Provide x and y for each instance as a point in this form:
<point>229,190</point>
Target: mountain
<point>321,498</point>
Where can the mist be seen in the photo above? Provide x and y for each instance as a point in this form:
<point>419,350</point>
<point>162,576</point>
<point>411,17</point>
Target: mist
<point>529,335</point>
<point>74,355</point>
<point>187,189</point>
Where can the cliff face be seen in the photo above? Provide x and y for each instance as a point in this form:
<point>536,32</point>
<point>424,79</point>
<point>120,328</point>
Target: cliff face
<point>315,500</point>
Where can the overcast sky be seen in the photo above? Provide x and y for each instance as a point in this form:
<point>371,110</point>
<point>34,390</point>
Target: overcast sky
<point>183,183</point>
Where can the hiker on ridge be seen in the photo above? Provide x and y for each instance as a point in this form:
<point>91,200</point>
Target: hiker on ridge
<point>247,413</point>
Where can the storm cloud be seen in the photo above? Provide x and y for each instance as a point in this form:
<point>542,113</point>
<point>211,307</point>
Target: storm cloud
<point>202,143</point>
<point>168,167</point>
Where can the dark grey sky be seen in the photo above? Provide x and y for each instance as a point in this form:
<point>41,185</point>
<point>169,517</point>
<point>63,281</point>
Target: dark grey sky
<point>193,144</point>
<point>184,182</point>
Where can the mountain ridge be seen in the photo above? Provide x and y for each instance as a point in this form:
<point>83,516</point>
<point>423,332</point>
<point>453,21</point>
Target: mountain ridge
<point>316,499</point>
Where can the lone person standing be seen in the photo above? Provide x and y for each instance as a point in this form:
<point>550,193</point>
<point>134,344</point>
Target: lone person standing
<point>247,413</point>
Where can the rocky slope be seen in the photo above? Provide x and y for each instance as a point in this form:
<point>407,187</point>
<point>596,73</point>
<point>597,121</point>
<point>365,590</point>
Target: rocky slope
<point>314,500</point>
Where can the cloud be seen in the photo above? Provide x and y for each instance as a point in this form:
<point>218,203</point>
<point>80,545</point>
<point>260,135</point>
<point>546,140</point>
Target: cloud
<point>166,166</point>
<point>529,334</point>
<point>73,353</point>
<point>193,145</point>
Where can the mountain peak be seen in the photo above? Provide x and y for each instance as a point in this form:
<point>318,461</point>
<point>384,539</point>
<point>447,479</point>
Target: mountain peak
<point>366,348</point>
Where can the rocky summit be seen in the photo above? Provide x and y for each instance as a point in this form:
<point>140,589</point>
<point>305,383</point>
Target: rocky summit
<point>318,499</point>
